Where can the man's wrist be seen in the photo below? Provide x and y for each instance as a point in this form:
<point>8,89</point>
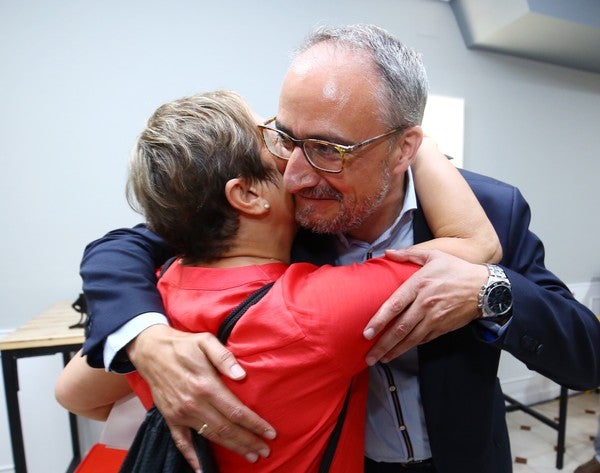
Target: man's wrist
<point>478,281</point>
<point>115,357</point>
<point>495,298</point>
<point>146,340</point>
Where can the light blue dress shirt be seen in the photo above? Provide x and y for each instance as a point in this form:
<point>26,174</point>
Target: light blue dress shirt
<point>395,429</point>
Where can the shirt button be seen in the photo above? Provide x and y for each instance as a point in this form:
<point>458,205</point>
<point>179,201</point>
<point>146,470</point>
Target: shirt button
<point>392,389</point>
<point>402,427</point>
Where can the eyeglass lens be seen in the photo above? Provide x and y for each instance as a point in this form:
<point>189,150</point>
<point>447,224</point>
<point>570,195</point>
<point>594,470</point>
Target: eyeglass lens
<point>319,154</point>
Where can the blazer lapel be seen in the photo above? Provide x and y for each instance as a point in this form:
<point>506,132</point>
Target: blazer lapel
<point>421,231</point>
<point>313,248</point>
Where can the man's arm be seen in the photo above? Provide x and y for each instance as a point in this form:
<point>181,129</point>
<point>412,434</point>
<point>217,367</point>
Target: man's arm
<point>550,331</point>
<point>119,282</point>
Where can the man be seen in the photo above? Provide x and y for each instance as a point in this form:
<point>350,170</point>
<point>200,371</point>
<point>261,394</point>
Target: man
<point>438,406</point>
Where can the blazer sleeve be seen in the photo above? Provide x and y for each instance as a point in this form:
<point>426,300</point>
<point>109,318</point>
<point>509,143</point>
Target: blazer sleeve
<point>550,331</point>
<point>119,283</point>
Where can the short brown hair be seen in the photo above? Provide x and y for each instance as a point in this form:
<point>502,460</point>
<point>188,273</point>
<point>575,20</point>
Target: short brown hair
<point>179,167</point>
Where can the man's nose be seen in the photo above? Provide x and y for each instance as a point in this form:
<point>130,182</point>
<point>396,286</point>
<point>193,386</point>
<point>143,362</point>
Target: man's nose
<point>298,173</point>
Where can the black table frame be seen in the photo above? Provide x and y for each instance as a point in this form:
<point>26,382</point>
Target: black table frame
<point>11,388</point>
<point>559,425</point>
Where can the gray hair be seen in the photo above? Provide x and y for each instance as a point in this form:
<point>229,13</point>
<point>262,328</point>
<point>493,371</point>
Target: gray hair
<point>403,91</point>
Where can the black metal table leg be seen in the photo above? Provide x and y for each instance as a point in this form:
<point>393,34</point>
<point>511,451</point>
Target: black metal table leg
<point>11,388</point>
<point>74,428</point>
<point>562,426</point>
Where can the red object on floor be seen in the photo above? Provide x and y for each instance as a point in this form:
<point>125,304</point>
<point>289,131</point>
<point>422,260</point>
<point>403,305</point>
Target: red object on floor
<point>101,459</point>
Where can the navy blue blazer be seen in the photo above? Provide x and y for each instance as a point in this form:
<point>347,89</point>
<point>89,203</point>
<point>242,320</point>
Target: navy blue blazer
<point>550,331</point>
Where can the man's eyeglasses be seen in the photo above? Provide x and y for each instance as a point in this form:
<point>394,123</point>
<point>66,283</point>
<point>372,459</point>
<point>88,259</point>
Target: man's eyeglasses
<point>322,155</point>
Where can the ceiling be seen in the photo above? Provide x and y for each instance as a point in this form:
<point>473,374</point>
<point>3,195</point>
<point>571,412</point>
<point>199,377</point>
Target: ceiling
<point>562,32</point>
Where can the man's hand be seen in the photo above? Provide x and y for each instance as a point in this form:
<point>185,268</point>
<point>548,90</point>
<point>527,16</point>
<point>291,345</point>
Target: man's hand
<point>181,369</point>
<point>438,298</point>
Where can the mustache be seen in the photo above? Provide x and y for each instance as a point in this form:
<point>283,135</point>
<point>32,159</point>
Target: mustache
<point>321,193</point>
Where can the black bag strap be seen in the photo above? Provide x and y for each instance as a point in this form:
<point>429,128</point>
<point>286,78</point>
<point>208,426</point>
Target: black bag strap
<point>203,450</point>
<point>80,305</point>
<point>223,335</point>
<point>225,329</point>
<point>335,436</point>
<point>236,314</point>
<point>166,265</point>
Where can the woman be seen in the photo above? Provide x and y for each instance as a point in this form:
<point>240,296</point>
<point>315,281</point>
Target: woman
<point>209,187</point>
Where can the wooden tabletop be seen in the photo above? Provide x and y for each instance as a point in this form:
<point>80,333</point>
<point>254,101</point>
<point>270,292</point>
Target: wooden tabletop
<point>48,329</point>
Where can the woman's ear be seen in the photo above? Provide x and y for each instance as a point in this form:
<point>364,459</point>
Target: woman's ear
<point>245,198</point>
<point>408,144</point>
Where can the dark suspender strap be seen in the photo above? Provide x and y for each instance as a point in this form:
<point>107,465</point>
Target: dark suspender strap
<point>235,315</point>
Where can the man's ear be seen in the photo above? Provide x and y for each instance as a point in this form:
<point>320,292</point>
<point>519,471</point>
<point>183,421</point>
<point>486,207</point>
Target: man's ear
<point>408,144</point>
<point>243,197</point>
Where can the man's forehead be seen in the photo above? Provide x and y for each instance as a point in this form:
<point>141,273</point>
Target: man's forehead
<point>329,57</point>
<point>316,75</point>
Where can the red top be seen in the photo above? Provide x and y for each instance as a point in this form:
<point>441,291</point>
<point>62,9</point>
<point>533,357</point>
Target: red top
<point>301,345</point>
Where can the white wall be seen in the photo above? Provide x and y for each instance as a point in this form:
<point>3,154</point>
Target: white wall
<point>78,79</point>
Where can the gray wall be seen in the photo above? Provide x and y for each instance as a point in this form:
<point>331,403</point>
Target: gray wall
<point>78,79</point>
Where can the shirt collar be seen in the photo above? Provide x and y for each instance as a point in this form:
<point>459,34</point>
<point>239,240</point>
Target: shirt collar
<point>392,234</point>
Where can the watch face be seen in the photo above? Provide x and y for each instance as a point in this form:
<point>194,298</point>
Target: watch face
<point>499,299</point>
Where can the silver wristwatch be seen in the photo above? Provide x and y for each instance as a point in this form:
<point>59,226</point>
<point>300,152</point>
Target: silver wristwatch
<point>495,297</point>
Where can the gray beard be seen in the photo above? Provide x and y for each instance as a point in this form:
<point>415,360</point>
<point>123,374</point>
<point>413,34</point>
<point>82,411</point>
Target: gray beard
<point>347,219</point>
